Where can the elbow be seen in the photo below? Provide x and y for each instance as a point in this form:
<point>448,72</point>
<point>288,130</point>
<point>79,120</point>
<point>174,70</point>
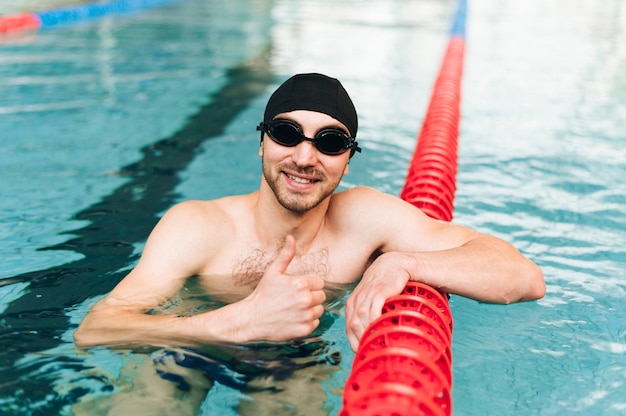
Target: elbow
<point>532,286</point>
<point>539,287</point>
<point>535,284</point>
<point>81,339</point>
<point>85,337</point>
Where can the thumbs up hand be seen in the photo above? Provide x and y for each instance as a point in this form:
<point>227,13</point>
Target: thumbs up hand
<point>284,306</point>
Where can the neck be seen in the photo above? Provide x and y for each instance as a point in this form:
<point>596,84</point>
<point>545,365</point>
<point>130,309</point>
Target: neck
<point>274,222</point>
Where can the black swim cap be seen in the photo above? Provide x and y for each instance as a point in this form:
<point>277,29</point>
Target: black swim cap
<point>314,92</point>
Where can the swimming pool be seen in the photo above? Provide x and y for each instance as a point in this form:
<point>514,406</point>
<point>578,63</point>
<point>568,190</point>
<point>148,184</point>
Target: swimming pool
<point>98,136</point>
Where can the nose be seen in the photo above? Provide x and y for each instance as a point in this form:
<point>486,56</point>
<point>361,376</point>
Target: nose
<point>305,154</point>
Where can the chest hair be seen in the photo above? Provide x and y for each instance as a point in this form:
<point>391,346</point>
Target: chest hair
<point>248,270</point>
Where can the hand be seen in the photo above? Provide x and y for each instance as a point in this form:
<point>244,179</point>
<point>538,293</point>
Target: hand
<point>283,306</point>
<point>387,276</point>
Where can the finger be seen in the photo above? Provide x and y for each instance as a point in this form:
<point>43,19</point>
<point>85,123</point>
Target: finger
<point>349,308</point>
<point>285,255</point>
<point>316,283</point>
<point>354,341</point>
<point>355,326</point>
<point>318,311</point>
<point>350,312</point>
<point>318,297</point>
<point>376,310</point>
<point>316,323</point>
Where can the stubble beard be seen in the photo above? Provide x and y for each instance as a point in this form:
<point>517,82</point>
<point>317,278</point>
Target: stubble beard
<point>294,201</point>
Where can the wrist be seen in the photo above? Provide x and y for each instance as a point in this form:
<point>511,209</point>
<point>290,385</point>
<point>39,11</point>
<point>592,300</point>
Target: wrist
<point>231,323</point>
<point>413,265</point>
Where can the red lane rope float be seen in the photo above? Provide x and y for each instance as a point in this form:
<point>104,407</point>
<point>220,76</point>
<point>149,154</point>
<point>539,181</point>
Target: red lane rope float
<point>403,365</point>
<point>26,21</point>
<point>430,182</point>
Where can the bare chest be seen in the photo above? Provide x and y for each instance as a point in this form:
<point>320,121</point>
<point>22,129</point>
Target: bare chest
<point>239,272</point>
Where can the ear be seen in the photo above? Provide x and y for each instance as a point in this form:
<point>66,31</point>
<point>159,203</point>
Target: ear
<point>345,171</point>
<point>261,149</point>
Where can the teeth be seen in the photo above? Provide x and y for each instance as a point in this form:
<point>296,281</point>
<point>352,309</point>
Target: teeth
<point>299,180</point>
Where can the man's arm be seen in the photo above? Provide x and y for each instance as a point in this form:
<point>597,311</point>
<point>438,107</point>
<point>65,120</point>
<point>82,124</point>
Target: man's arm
<point>446,256</point>
<point>281,307</point>
<point>172,253</point>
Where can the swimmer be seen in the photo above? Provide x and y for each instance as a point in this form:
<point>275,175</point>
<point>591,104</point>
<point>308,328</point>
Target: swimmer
<point>276,249</point>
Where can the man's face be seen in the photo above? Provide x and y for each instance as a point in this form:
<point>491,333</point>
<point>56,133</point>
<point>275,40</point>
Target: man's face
<point>302,177</point>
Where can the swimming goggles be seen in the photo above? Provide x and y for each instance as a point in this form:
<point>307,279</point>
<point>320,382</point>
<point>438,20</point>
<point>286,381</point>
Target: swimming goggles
<point>330,141</point>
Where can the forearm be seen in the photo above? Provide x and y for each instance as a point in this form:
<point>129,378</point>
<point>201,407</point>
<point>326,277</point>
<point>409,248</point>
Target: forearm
<point>485,268</point>
<point>119,327</point>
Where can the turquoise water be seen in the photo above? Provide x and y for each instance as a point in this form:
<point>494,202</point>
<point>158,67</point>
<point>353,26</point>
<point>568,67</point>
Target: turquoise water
<point>98,137</point>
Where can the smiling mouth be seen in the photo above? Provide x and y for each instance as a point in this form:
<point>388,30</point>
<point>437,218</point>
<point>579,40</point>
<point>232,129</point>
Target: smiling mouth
<point>300,180</point>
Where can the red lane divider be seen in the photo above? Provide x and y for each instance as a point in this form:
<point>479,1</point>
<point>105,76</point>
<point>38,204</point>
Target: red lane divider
<point>403,365</point>
<point>26,21</point>
<point>430,182</point>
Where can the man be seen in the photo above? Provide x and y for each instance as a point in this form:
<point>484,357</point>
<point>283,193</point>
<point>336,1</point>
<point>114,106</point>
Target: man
<point>276,249</point>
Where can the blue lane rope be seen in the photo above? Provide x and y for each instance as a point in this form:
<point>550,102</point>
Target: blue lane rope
<point>74,14</point>
<point>458,26</point>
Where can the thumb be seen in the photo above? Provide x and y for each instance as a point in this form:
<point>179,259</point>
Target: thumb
<point>285,255</point>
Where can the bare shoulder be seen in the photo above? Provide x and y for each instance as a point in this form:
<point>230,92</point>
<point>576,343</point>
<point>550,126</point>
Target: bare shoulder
<point>197,225</point>
<point>189,237</point>
<point>196,215</point>
<point>357,195</point>
<point>184,221</point>
<point>393,223</point>
<point>365,200</point>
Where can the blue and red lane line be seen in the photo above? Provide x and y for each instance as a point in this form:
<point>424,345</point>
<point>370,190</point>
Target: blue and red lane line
<point>73,14</point>
<point>403,365</point>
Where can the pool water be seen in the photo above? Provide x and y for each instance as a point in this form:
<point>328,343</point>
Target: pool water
<point>107,123</point>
